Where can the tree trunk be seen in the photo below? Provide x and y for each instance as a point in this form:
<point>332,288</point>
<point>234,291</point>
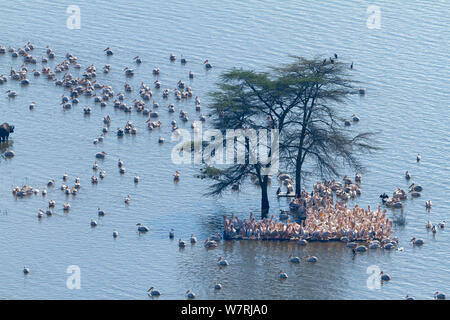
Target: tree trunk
<point>298,174</point>
<point>264,198</point>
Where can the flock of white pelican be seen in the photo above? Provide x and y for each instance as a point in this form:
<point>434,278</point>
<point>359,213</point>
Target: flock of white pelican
<point>324,221</point>
<point>327,217</point>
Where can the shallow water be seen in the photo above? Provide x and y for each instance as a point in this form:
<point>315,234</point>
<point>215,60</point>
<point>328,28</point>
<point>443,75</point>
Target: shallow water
<point>404,66</point>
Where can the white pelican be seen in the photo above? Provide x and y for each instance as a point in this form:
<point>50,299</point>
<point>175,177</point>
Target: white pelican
<point>428,225</point>
<point>142,228</point>
<point>93,223</point>
<point>193,239</point>
<point>384,276</point>
<point>441,224</point>
<point>115,233</point>
<point>171,233</point>
<point>294,259</point>
<point>389,246</point>
<point>217,286</point>
<point>439,296</point>
<point>136,178</point>
<point>222,262</point>
<point>417,241</point>
<point>153,292</point>
<point>108,52</point>
<point>283,275</point>
<point>374,245</point>
<point>210,243</point>
<point>100,155</point>
<point>311,258</point>
<point>419,157</point>
<point>361,248</point>
<point>428,204</point>
<point>100,212</point>
<point>190,294</point>
<point>407,175</point>
<point>127,199</point>
<point>26,270</point>
<point>11,93</point>
<point>207,64</point>
<point>9,154</point>
<point>181,243</point>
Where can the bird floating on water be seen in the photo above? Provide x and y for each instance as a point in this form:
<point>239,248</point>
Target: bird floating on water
<point>142,228</point>
<point>384,276</point>
<point>439,295</point>
<point>153,292</point>
<point>222,262</point>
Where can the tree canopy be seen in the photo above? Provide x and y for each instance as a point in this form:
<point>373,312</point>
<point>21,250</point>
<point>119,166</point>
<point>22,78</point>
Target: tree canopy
<point>302,101</point>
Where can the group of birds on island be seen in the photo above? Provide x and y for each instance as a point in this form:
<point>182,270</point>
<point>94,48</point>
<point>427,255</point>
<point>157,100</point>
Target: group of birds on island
<point>327,217</point>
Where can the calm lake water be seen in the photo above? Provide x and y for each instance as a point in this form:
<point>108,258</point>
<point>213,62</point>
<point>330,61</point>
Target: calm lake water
<point>404,66</point>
